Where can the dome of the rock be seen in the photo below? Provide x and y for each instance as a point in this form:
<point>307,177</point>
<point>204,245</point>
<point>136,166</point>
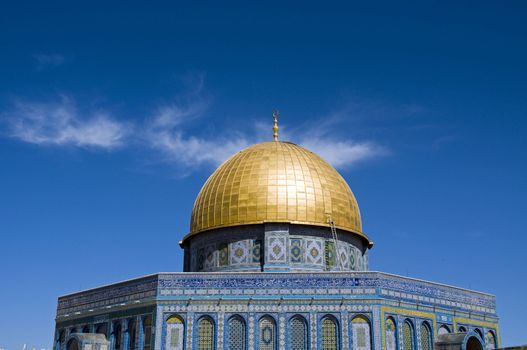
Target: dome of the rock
<point>277,182</point>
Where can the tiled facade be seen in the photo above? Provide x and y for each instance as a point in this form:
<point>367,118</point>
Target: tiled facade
<point>275,247</point>
<point>359,303</point>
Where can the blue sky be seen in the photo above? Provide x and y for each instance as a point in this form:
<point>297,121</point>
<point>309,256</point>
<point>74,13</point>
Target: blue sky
<point>113,115</point>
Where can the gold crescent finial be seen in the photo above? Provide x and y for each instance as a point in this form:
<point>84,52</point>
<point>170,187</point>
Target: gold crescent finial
<point>275,126</point>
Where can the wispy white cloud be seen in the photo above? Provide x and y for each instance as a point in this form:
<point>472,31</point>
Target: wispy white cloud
<point>44,60</point>
<point>324,137</point>
<point>343,153</point>
<point>168,133</point>
<point>60,123</point>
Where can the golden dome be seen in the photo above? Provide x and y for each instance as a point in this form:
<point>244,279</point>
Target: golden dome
<point>275,182</point>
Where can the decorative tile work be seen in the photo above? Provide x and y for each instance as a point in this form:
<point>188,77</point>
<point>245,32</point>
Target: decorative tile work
<point>329,253</point>
<point>344,255</point>
<point>239,253</point>
<point>158,327</point>
<point>490,341</point>
<point>377,329</point>
<point>281,331</point>
<point>303,251</point>
<point>175,333</point>
<point>256,250</point>
<point>276,249</point>
<point>349,284</point>
<point>345,330</point>
<point>210,257</point>
<point>390,340</point>
<point>361,333</point>
<point>190,327</point>
<point>296,251</point>
<point>221,326</point>
<point>251,332</point>
<point>313,253</point>
<point>223,254</point>
<point>352,260</point>
<point>313,322</point>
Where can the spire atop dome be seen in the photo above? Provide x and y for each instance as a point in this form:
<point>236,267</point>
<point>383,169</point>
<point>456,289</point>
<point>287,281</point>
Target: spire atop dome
<point>275,126</point>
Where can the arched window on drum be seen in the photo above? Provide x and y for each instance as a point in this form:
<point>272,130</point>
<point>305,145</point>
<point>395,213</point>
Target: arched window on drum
<point>408,336</point>
<point>236,334</point>
<point>298,333</point>
<point>391,334</point>
<point>267,333</point>
<point>206,339</point>
<point>330,334</point>
<point>426,336</point>
<point>175,335</point>
<point>361,333</point>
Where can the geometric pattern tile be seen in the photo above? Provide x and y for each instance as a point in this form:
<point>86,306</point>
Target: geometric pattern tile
<point>276,249</point>
<point>313,252</point>
<point>296,251</point>
<point>239,252</point>
<point>256,251</point>
<point>210,257</point>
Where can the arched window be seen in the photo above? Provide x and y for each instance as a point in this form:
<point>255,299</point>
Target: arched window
<point>298,333</point>
<point>360,328</point>
<point>205,334</point>
<point>490,341</point>
<point>480,333</point>
<point>330,340</point>
<point>236,334</point>
<point>175,333</point>
<point>132,334</point>
<point>408,336</point>
<point>443,330</point>
<point>267,333</point>
<point>86,329</point>
<point>426,341</point>
<point>147,332</point>
<point>117,335</point>
<point>462,329</point>
<point>391,334</point>
<point>473,343</point>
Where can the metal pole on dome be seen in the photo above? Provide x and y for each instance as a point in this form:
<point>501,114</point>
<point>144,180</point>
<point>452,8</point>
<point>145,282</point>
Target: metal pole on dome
<point>275,126</point>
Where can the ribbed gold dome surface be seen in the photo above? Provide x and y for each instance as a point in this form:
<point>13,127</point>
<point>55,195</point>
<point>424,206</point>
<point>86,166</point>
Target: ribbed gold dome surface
<point>275,182</point>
